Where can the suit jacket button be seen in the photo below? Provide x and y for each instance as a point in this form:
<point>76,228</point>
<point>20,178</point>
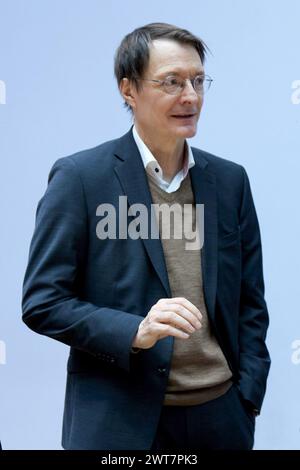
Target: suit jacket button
<point>162,370</point>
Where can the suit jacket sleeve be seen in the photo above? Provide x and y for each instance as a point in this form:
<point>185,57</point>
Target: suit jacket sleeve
<point>253,323</point>
<point>51,302</point>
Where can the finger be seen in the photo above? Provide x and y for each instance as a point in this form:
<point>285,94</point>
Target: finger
<point>182,312</point>
<point>187,304</point>
<point>168,330</point>
<point>170,317</point>
<point>182,302</point>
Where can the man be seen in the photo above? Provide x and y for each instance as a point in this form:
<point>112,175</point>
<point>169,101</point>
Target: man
<point>167,340</point>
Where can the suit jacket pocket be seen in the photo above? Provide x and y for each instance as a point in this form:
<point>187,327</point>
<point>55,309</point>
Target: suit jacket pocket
<point>80,362</point>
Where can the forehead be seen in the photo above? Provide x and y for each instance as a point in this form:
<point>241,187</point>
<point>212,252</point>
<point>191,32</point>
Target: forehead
<point>167,55</point>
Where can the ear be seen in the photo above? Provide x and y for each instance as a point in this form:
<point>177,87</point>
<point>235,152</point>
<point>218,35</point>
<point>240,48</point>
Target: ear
<point>128,92</point>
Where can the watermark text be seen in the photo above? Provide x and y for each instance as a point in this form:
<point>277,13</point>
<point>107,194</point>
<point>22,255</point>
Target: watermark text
<point>168,221</point>
<point>2,92</point>
<point>295,358</point>
<point>295,96</point>
<point>2,352</point>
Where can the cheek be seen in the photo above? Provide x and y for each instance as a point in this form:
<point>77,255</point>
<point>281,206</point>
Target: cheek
<point>168,109</point>
<point>160,113</point>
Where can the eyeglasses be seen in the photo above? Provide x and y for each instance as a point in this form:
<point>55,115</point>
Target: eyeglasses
<point>174,85</point>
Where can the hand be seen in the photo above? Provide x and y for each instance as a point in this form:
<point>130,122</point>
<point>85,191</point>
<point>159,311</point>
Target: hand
<point>175,316</point>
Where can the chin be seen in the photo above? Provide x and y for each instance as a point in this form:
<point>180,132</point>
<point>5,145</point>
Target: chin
<point>186,131</point>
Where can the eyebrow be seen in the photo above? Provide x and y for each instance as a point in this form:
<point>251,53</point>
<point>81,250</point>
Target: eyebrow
<point>175,72</point>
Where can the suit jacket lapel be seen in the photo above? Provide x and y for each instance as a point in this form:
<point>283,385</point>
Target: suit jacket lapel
<point>133,179</point>
<point>204,188</point>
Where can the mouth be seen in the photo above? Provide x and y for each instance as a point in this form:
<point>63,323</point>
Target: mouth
<point>183,116</point>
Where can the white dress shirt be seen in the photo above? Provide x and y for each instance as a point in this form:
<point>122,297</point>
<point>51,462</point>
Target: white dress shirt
<point>154,170</point>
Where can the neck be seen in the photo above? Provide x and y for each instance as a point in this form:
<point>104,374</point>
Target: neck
<point>169,153</point>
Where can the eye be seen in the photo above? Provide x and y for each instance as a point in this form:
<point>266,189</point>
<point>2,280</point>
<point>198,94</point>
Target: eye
<point>172,81</point>
<point>199,80</point>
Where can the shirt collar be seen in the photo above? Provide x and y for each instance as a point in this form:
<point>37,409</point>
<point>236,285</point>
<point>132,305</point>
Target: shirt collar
<point>153,168</point>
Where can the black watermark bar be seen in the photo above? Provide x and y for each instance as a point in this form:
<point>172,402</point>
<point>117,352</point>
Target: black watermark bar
<point>137,459</point>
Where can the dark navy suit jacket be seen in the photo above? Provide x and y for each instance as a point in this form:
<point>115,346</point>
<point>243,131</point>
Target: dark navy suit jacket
<point>92,294</point>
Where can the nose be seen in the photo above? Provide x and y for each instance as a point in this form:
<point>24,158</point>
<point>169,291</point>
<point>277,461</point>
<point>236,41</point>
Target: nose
<point>189,94</point>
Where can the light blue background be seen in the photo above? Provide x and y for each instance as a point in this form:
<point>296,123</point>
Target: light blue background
<point>56,59</point>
